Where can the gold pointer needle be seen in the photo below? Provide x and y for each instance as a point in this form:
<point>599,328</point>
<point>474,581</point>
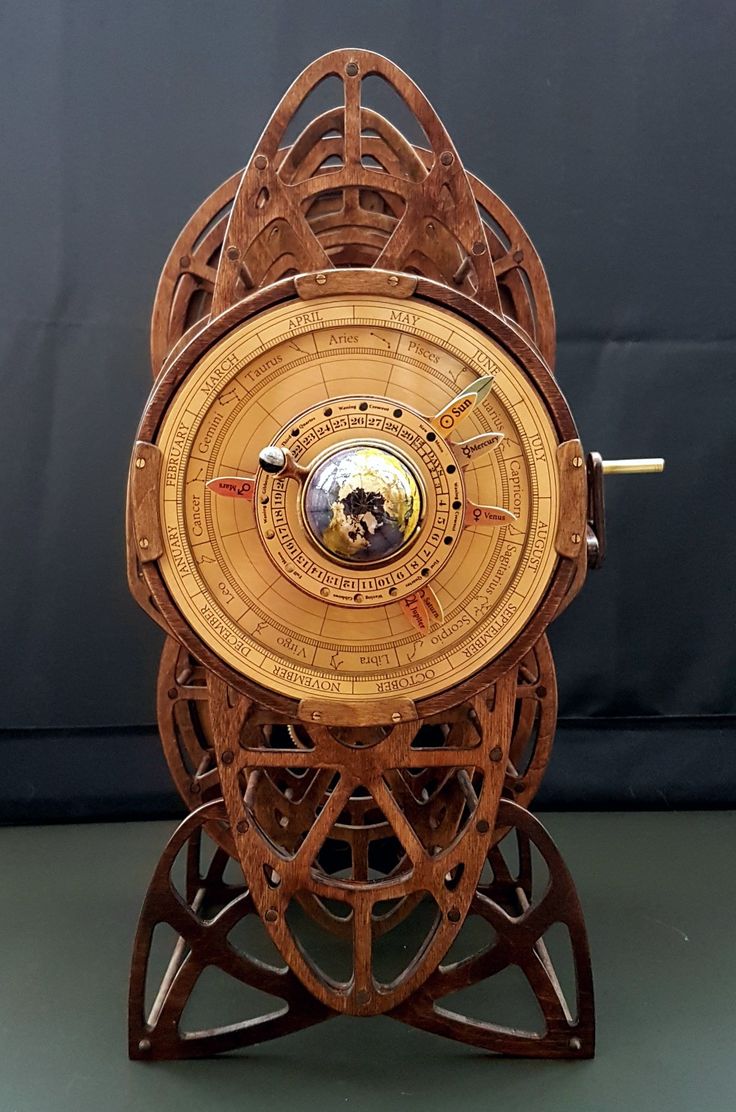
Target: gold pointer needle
<point>486,515</point>
<point>467,451</point>
<point>461,406</point>
<point>233,486</point>
<point>423,609</point>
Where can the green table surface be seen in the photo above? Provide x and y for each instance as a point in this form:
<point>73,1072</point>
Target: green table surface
<point>659,892</point>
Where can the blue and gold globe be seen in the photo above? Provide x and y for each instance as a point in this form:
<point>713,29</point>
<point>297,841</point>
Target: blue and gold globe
<point>362,504</point>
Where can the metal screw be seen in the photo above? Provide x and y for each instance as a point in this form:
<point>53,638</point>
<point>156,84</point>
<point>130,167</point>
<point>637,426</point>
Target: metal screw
<point>241,826</point>
<point>575,538</point>
<point>271,915</point>
<point>144,1044</point>
<point>228,757</point>
<point>496,753</point>
<point>393,279</point>
<point>351,69</point>
<point>324,591</point>
<point>575,1044</point>
<point>184,262</point>
<point>577,461</point>
<point>478,248</point>
<point>482,827</point>
<point>316,716</point>
<point>358,597</point>
<point>362,996</point>
<point>396,717</point>
<point>173,692</point>
<point>447,158</point>
<point>519,787</point>
<point>260,162</point>
<point>195,788</point>
<point>232,252</point>
<point>270,534</point>
<point>143,542</point>
<point>140,462</point>
<point>321,279</point>
<point>518,256</point>
<point>454,914</point>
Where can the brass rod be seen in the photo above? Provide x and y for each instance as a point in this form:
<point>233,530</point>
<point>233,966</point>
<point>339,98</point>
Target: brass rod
<point>631,466</point>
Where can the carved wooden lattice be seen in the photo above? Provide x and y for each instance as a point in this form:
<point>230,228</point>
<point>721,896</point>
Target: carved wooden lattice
<point>359,832</point>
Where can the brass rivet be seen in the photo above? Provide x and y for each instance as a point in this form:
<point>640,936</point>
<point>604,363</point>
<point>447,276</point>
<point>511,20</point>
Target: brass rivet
<point>482,827</point>
<point>393,591</point>
<point>232,252</point>
<point>447,158</point>
<point>496,753</point>
<point>184,262</point>
<point>575,538</point>
<point>143,542</point>
<point>228,757</point>
<point>518,256</point>
<point>351,69</point>
<point>242,826</point>
<point>321,279</point>
<point>577,461</point>
<point>140,462</point>
<point>316,716</point>
<point>270,534</point>
<point>260,162</point>
<point>396,717</point>
<point>358,598</point>
<point>393,279</point>
<point>478,248</point>
<point>454,914</point>
<point>324,591</point>
<point>144,1044</point>
<point>271,915</point>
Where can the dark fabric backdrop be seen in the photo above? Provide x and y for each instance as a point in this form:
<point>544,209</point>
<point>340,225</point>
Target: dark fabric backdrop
<point>608,128</point>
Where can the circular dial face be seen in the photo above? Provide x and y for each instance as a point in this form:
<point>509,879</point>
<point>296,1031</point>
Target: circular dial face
<point>398,531</point>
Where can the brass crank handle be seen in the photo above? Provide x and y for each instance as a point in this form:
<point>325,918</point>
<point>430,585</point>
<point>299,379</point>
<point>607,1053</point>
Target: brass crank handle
<point>597,468</point>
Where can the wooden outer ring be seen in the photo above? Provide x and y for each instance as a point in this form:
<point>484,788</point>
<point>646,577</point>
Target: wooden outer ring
<point>503,332</point>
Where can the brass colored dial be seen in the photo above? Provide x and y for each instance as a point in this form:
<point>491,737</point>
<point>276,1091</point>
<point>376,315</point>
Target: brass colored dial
<point>399,530</point>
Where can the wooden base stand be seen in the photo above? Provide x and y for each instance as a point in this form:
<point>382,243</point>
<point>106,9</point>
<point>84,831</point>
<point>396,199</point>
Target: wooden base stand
<point>523,911</point>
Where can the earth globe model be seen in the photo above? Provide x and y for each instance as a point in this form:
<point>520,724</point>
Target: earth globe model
<point>362,503</point>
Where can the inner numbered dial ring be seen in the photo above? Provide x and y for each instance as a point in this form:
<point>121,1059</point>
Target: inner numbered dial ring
<point>323,556</point>
<point>249,574</point>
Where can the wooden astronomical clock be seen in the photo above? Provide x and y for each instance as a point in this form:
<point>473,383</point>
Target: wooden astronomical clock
<point>357,499</point>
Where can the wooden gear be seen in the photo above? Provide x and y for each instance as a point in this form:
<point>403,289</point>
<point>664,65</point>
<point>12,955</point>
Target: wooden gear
<point>359,815</point>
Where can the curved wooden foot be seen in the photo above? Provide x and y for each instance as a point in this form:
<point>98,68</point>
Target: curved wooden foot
<point>203,911</point>
<point>524,914</point>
